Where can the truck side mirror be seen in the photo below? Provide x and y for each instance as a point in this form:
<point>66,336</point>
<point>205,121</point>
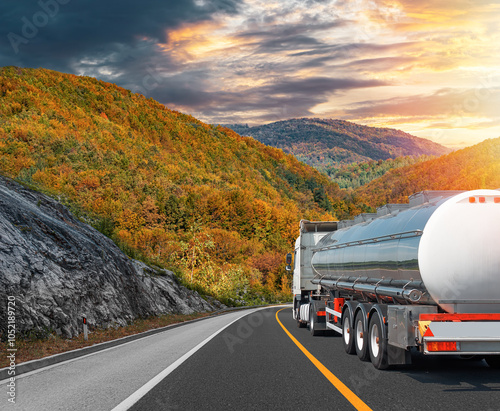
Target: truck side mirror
<point>288,262</point>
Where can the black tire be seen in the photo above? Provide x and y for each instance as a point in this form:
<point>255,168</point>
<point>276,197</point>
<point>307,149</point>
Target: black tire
<point>360,337</point>
<point>300,324</point>
<point>312,323</point>
<point>493,361</point>
<point>347,332</point>
<point>377,344</point>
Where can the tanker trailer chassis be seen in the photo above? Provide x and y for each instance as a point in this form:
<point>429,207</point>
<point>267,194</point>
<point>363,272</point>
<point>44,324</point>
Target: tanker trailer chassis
<point>385,334</point>
<point>422,276</point>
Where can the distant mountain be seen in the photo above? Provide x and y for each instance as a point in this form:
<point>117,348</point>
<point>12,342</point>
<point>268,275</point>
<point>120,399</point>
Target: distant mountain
<point>324,142</point>
<point>467,169</point>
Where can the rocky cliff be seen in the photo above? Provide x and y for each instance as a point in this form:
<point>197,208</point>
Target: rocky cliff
<point>59,268</point>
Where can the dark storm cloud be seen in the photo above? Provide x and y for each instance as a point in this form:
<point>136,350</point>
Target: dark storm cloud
<point>319,85</point>
<point>282,99</point>
<point>119,42</point>
<point>281,30</point>
<point>287,43</point>
<point>58,33</point>
<point>352,48</point>
<point>289,37</point>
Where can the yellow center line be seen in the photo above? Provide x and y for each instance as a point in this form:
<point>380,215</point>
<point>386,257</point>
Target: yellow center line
<point>339,385</point>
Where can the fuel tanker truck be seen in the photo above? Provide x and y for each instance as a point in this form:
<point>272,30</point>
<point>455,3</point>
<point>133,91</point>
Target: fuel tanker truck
<point>422,276</point>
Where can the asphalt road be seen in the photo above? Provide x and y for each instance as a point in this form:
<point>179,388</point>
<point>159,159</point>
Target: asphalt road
<point>101,381</point>
<point>252,364</point>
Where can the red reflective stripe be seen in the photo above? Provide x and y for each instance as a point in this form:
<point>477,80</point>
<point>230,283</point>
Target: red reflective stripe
<point>320,313</point>
<point>441,346</point>
<point>459,317</point>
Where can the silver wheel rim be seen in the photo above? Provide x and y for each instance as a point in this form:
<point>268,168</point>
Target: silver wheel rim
<point>346,332</point>
<point>375,341</point>
<point>359,334</point>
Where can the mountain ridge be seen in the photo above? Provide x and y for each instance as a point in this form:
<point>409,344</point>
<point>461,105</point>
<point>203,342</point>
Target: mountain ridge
<point>324,142</point>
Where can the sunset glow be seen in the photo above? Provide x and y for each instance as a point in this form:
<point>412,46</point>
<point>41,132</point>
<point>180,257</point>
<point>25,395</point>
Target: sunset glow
<point>431,71</point>
<point>429,68</point>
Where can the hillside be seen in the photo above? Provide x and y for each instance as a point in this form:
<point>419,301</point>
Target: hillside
<point>354,175</point>
<point>58,268</point>
<point>217,208</point>
<point>467,169</point>
<point>324,142</point>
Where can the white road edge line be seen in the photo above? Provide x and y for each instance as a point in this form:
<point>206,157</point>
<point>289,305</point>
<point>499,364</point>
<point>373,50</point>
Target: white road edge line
<point>48,367</point>
<point>127,403</point>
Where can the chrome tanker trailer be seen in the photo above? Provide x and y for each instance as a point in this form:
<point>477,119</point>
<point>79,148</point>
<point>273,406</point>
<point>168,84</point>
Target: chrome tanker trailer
<point>420,276</point>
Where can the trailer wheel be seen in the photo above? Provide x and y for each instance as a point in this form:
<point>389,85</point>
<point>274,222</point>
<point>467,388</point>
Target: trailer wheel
<point>377,344</point>
<point>361,337</point>
<point>312,324</point>
<point>312,327</point>
<point>300,324</point>
<point>493,361</point>
<point>347,332</point>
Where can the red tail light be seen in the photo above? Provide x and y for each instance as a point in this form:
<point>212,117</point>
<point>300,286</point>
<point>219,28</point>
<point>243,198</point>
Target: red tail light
<point>441,346</point>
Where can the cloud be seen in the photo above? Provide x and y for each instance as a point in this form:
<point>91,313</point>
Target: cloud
<point>318,86</point>
<point>455,106</point>
<point>58,33</point>
<point>289,97</point>
<point>258,61</point>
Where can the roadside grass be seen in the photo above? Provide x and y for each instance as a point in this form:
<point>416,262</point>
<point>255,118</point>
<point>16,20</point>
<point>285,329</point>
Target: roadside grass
<point>32,349</point>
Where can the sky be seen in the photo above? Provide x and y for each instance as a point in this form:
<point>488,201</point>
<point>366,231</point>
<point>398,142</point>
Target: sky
<point>428,67</point>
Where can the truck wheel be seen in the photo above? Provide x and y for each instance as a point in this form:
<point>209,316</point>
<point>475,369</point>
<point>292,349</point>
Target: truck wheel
<point>360,337</point>
<point>377,344</point>
<point>312,324</point>
<point>347,333</point>
<point>300,324</point>
<point>493,361</point>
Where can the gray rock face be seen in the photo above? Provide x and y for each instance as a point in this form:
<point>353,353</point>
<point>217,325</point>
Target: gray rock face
<point>59,268</point>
